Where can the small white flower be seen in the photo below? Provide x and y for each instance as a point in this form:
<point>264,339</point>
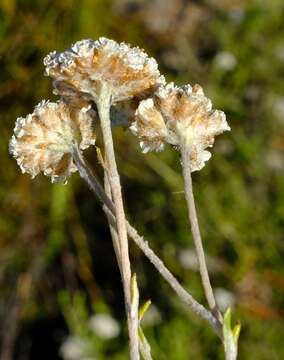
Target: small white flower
<point>43,141</point>
<point>104,326</point>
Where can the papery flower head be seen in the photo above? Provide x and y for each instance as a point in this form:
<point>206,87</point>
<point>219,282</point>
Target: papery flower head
<point>44,140</point>
<point>181,116</point>
<point>127,71</point>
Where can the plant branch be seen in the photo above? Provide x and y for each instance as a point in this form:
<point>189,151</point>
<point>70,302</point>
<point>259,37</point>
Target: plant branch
<point>197,308</point>
<point>185,156</point>
<point>103,106</point>
<point>185,297</point>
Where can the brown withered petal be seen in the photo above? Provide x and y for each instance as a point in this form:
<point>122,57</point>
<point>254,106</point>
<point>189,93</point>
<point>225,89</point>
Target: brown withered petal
<point>43,141</point>
<point>127,71</point>
<point>181,116</point>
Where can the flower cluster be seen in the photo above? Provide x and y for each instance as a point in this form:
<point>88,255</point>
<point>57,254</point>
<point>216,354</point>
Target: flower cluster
<point>44,140</point>
<point>88,64</point>
<point>181,116</point>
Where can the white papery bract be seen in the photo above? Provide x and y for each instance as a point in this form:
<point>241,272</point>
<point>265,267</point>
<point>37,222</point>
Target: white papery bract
<point>181,116</point>
<point>44,140</point>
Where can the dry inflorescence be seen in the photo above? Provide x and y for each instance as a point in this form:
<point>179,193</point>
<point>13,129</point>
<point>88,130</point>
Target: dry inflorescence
<point>165,114</point>
<point>181,116</point>
<point>88,64</point>
<point>44,140</point>
<point>112,81</point>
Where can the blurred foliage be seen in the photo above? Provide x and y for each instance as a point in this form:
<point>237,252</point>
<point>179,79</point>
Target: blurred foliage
<point>54,238</point>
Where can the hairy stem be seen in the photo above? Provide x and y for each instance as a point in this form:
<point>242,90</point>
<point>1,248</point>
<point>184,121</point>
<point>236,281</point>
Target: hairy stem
<point>185,297</point>
<point>185,156</point>
<point>113,232</point>
<point>197,308</point>
<point>103,106</point>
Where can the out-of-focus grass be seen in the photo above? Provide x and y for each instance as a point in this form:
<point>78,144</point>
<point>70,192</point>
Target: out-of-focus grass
<point>54,238</point>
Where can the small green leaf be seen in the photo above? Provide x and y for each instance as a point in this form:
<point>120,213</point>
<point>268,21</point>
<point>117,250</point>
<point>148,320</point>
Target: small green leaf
<point>143,309</point>
<point>100,158</point>
<point>144,346</point>
<point>134,292</point>
<point>227,319</point>
<point>230,337</point>
<point>236,332</point>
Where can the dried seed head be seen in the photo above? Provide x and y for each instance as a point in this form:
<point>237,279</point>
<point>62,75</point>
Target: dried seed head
<point>127,71</point>
<point>44,140</point>
<point>181,116</point>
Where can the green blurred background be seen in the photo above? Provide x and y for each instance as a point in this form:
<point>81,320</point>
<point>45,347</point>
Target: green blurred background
<point>57,268</point>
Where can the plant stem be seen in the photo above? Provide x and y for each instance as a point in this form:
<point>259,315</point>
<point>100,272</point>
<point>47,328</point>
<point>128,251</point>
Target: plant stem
<point>185,297</point>
<point>103,106</point>
<point>113,232</point>
<point>185,156</point>
<point>197,308</point>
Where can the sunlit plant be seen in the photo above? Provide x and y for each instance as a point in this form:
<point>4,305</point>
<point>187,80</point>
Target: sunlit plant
<point>91,78</point>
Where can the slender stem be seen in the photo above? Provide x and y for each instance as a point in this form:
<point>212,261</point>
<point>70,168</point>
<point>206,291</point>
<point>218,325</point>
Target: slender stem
<point>113,232</point>
<point>134,292</point>
<point>185,155</point>
<point>231,351</point>
<point>197,308</point>
<point>104,196</point>
<point>103,106</point>
<point>96,187</point>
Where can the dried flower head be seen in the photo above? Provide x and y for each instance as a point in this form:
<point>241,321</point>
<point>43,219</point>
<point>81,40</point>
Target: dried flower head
<point>127,71</point>
<point>181,116</point>
<point>44,140</point>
